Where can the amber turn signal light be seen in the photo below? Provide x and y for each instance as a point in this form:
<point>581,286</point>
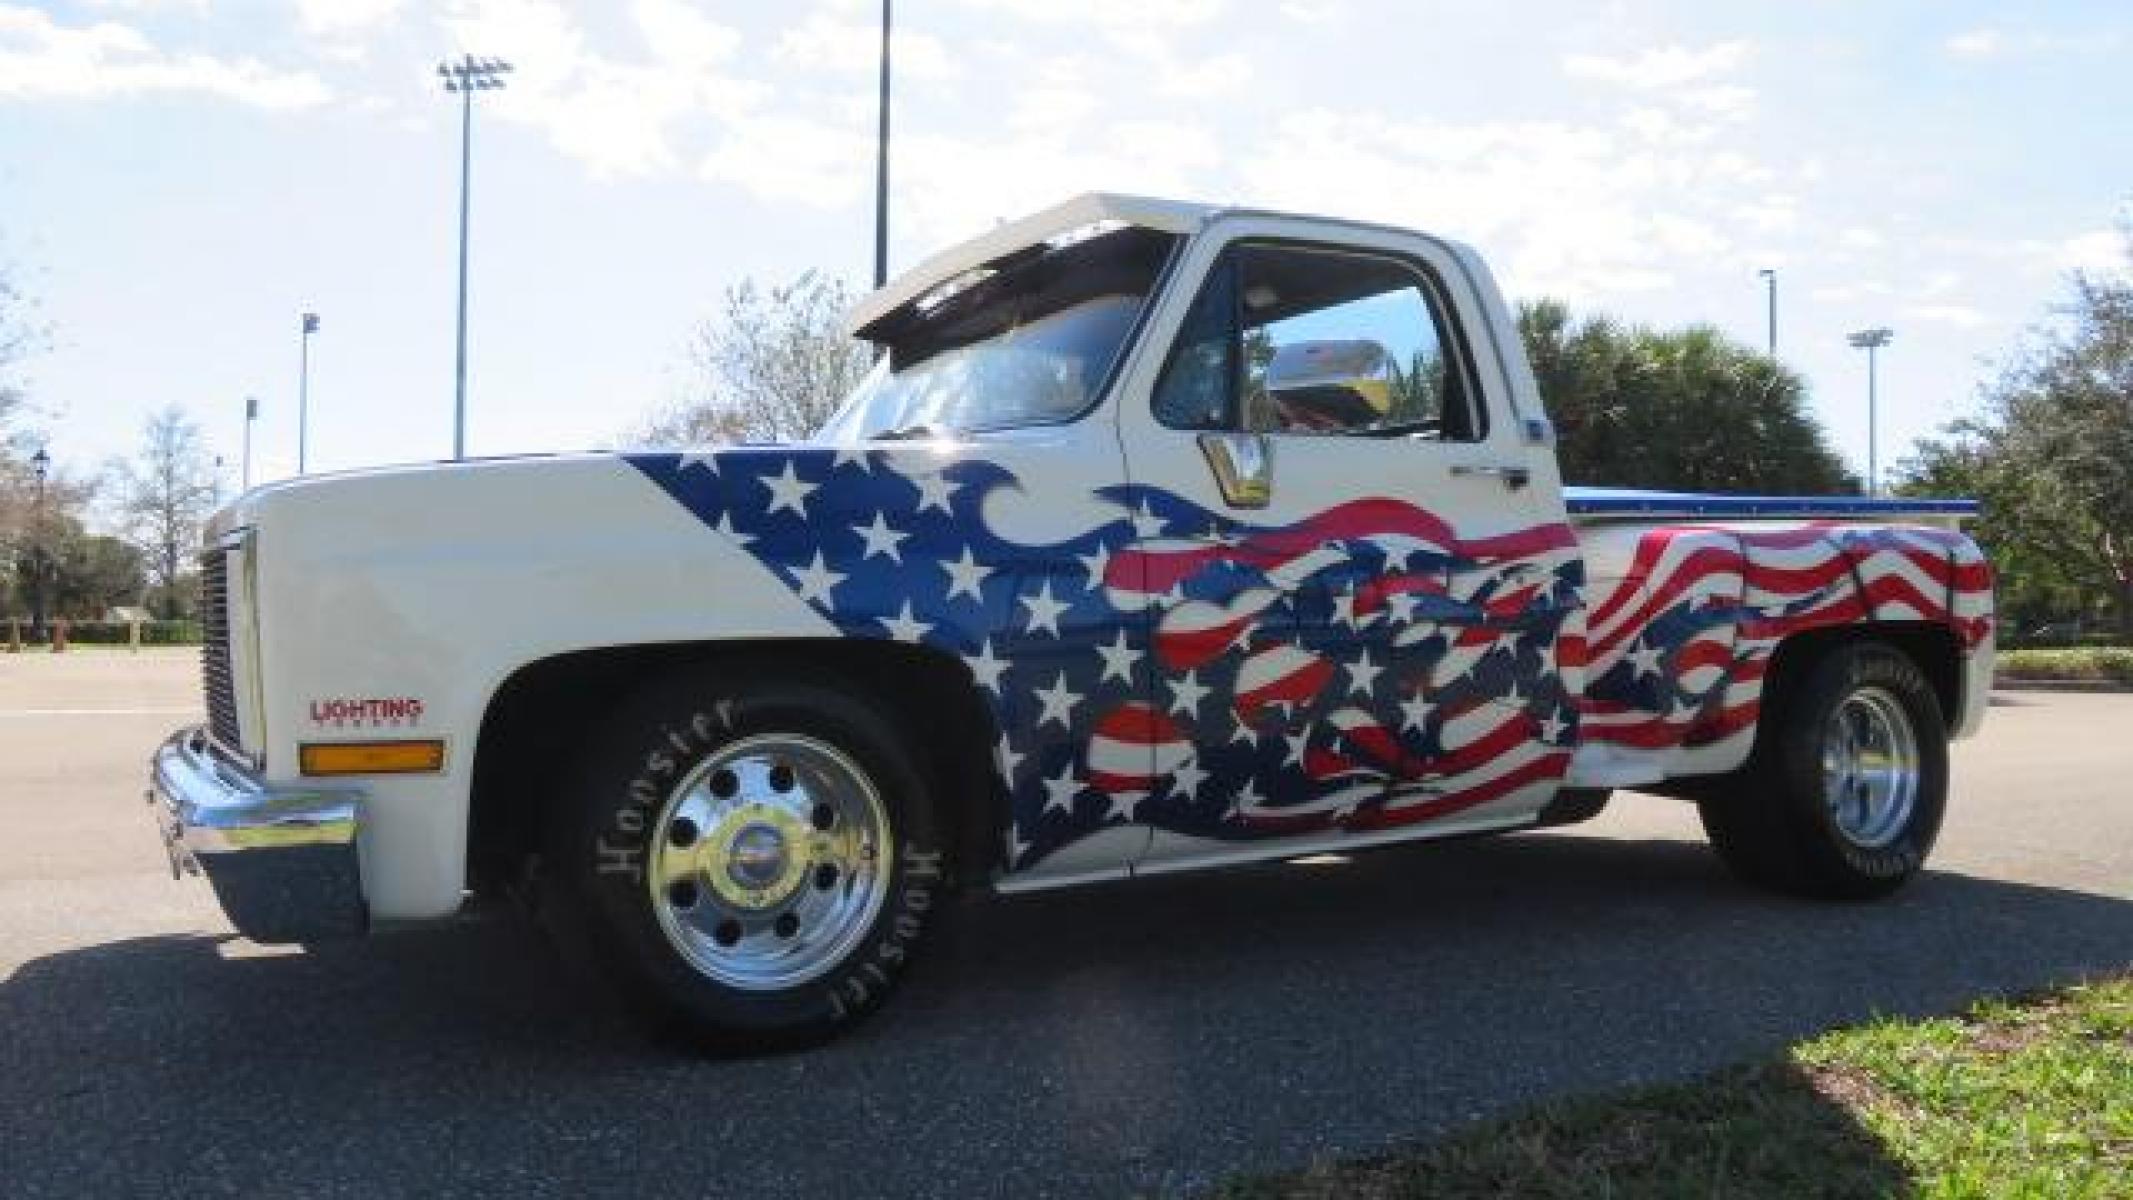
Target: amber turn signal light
<point>369,758</point>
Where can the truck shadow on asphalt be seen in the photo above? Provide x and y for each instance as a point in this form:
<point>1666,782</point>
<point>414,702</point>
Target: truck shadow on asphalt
<point>1153,1035</point>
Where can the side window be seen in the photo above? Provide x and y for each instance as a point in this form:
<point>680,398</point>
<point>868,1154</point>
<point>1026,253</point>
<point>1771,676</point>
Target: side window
<point>1296,340</point>
<point>1198,387</point>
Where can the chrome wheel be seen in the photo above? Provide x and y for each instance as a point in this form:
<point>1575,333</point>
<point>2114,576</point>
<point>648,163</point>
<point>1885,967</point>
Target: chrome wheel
<point>1870,768</point>
<point>769,862</point>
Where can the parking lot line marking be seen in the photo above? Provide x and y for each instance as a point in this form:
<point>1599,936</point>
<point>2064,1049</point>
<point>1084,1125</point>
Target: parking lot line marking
<point>98,712</point>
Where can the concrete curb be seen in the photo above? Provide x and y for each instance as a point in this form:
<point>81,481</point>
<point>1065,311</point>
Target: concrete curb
<point>2005,684</point>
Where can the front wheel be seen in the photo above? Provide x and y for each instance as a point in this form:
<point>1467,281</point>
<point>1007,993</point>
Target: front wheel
<point>1844,796</point>
<point>752,865</point>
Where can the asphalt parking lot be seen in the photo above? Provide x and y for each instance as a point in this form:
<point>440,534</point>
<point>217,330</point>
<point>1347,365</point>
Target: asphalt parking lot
<point>1148,1037</point>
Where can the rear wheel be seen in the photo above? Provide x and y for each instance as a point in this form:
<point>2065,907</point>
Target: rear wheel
<point>1844,796</point>
<point>753,866</point>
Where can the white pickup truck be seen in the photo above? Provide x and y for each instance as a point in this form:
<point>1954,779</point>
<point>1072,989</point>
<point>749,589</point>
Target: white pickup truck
<point>1161,537</point>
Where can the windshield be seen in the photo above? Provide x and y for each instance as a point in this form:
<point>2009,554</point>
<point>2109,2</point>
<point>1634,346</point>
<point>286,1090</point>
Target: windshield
<point>1032,342</point>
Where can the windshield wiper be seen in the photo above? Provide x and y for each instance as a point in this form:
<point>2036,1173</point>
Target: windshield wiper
<point>910,433</point>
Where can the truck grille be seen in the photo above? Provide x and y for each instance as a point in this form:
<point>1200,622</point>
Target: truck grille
<point>220,685</point>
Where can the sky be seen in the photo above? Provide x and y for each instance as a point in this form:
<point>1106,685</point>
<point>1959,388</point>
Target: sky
<point>180,179</point>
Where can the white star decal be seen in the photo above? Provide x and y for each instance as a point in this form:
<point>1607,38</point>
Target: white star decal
<point>1246,799</point>
<point>1400,607</point>
<point>1396,554</point>
<point>986,667</point>
<point>816,581</point>
<point>1009,760</point>
<point>1363,675</point>
<point>881,539</point>
<point>788,491</point>
<point>1096,564</point>
<point>1118,659</point>
<point>1644,658</point>
<point>1551,729</point>
<point>1146,523</point>
<point>705,458</point>
<point>1415,710</point>
<point>1344,607</point>
<point>934,491</point>
<point>1298,744</point>
<point>1043,610</point>
<point>1186,694</point>
<point>966,576</point>
<point>1188,778</point>
<point>903,627</point>
<point>1122,806</point>
<point>1058,701</point>
<point>853,454</point>
<point>1060,790</point>
<point>1244,732</point>
<point>724,526</point>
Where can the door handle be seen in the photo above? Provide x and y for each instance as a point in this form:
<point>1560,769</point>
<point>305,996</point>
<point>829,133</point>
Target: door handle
<point>1514,477</point>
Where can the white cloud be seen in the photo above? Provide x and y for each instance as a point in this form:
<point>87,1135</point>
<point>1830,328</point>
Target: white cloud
<point>1962,316</point>
<point>1313,12</point>
<point>346,18</point>
<point>40,58</point>
<point>617,116</point>
<point>2097,251</point>
<point>794,159</point>
<point>853,47</point>
<point>1983,44</point>
<point>1977,43</point>
<point>1664,67</point>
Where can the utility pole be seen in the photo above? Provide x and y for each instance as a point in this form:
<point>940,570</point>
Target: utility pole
<point>303,391</point>
<point>1871,341</point>
<point>466,77</point>
<point>1770,288</point>
<point>881,162</point>
<point>40,465</point>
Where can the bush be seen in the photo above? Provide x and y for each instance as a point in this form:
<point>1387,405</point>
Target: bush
<point>2112,664</point>
<point>114,633</point>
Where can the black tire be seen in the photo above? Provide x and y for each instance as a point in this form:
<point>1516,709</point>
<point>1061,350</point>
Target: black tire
<point>597,898</point>
<point>1776,828</point>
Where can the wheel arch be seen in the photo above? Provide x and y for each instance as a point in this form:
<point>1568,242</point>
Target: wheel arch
<point>928,693</point>
<point>1933,647</point>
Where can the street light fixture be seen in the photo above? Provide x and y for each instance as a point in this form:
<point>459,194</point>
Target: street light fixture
<point>1871,341</point>
<point>465,77</point>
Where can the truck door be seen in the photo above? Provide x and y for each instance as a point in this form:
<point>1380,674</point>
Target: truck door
<point>1357,549</point>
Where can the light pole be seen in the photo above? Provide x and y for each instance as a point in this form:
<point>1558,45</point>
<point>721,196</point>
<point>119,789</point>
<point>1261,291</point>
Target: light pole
<point>466,76</point>
<point>303,390</point>
<point>1871,341</point>
<point>251,414</point>
<point>40,466</point>
<point>881,162</point>
<point>1770,288</point>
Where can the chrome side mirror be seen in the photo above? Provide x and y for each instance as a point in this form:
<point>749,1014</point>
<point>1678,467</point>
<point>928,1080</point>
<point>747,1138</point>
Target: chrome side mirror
<point>1243,464</point>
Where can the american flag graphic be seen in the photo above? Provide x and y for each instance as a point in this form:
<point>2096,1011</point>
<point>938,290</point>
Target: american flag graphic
<point>1676,651</point>
<point>1364,668</point>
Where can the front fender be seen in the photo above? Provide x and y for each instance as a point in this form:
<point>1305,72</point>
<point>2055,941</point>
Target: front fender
<point>424,589</point>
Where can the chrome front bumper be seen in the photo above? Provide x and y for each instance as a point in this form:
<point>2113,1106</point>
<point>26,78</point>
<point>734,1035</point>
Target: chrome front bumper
<point>282,860</point>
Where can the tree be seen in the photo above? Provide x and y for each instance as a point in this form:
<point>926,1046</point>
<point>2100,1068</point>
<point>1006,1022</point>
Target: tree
<point>164,499</point>
<point>1677,409</point>
<point>771,367</point>
<point>2051,453</point>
